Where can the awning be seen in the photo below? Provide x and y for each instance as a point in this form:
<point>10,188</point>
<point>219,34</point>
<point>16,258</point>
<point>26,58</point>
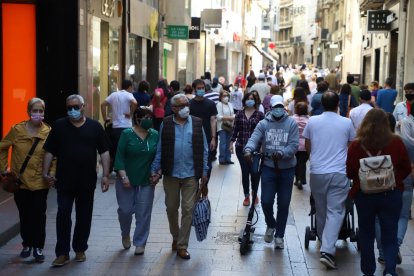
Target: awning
<point>273,53</point>
<point>263,53</point>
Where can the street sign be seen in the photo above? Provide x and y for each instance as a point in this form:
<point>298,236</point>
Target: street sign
<point>211,18</point>
<point>195,28</point>
<point>177,32</point>
<point>377,21</point>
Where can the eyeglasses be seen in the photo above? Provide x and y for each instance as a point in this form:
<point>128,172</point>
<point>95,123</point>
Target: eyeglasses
<point>73,107</point>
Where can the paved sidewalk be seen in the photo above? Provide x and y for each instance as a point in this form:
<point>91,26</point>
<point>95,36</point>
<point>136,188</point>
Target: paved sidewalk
<point>217,255</point>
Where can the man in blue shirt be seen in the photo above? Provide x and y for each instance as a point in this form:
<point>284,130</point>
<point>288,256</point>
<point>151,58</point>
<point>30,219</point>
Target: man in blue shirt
<point>386,97</point>
<point>182,157</point>
<point>316,104</point>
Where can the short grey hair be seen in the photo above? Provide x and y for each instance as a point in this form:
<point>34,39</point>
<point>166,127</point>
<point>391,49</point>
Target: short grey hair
<point>34,101</point>
<point>75,97</point>
<point>175,98</point>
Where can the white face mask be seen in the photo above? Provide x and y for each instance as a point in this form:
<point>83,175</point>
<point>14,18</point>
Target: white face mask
<point>225,99</point>
<point>184,112</point>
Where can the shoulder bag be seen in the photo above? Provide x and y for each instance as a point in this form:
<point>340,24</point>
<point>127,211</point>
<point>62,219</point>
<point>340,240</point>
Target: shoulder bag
<point>11,182</point>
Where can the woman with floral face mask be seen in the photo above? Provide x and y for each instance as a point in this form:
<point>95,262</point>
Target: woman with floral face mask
<point>134,191</point>
<point>244,124</point>
<point>32,195</point>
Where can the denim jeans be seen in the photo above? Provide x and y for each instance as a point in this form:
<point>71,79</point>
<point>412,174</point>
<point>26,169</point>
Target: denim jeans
<point>224,151</point>
<point>387,206</point>
<point>278,182</point>
<point>407,199</point>
<point>135,200</point>
<point>84,207</point>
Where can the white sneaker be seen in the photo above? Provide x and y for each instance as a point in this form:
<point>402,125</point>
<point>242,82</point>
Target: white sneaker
<point>279,243</point>
<point>268,236</point>
<point>139,250</point>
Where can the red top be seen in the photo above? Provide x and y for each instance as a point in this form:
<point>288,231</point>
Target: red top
<point>399,157</point>
<point>159,111</point>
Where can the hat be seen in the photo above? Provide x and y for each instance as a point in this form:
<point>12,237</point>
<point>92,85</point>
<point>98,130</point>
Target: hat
<point>261,76</point>
<point>365,95</point>
<point>276,100</point>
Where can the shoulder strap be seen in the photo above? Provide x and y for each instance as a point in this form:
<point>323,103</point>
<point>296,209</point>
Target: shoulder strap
<point>29,155</point>
<point>369,154</point>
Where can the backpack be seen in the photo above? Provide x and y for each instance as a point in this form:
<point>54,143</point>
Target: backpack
<point>376,173</point>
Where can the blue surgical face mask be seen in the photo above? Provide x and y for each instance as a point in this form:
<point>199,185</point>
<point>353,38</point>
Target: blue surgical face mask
<point>250,103</point>
<point>278,112</point>
<point>200,92</point>
<point>74,114</point>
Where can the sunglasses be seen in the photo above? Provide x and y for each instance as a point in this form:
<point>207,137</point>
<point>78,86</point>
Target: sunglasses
<point>73,107</point>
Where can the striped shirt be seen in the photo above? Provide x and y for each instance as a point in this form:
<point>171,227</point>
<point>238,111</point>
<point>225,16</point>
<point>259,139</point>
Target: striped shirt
<point>214,96</point>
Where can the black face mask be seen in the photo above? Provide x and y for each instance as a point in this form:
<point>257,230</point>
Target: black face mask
<point>409,97</point>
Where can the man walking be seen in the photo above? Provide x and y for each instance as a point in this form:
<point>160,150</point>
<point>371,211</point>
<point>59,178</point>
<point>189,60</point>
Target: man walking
<point>358,113</point>
<point>182,156</point>
<point>327,137</point>
<point>261,87</point>
<point>74,141</point>
<point>206,110</point>
<point>386,97</point>
<point>122,103</point>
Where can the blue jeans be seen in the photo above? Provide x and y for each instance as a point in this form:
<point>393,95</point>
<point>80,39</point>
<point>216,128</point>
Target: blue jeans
<point>276,182</point>
<point>387,206</point>
<point>135,200</point>
<point>224,154</point>
<point>407,199</point>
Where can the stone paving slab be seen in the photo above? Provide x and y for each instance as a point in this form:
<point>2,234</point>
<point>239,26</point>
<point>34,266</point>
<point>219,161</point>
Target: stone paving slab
<point>218,255</point>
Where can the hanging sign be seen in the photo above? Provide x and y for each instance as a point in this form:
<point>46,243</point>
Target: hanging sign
<point>377,21</point>
<point>194,32</point>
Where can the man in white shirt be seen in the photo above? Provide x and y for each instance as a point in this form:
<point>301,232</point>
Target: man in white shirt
<point>261,87</point>
<point>326,140</point>
<point>122,104</point>
<point>358,113</point>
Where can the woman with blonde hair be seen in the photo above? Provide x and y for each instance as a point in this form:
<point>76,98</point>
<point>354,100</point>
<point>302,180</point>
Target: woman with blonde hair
<point>374,138</point>
<point>31,197</point>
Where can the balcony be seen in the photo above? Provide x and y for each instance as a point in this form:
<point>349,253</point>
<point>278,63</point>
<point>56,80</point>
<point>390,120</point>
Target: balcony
<point>283,44</point>
<point>371,4</point>
<point>285,3</point>
<point>285,24</point>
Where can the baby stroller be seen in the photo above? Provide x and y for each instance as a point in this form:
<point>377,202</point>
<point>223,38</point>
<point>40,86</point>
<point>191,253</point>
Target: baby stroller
<point>348,229</point>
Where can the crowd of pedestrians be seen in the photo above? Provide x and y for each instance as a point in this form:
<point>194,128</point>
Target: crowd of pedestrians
<point>174,135</point>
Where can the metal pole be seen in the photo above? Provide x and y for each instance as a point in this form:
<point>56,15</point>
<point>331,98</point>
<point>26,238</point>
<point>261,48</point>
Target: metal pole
<point>401,49</point>
<point>205,50</point>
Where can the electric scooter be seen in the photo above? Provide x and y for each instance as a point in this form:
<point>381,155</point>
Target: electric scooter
<point>246,235</point>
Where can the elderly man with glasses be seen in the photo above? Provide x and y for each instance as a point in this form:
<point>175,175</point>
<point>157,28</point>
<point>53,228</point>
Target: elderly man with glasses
<point>74,141</point>
<point>182,157</point>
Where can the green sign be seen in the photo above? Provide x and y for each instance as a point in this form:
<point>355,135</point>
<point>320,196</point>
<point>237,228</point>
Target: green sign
<point>177,32</point>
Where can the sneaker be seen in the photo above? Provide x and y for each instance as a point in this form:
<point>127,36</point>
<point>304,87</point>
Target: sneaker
<point>270,232</point>
<point>61,261</point>
<point>299,185</point>
<point>399,257</point>
<point>80,257</point>
<point>328,260</point>
<point>381,260</point>
<point>246,201</point>
<point>126,242</point>
<point>38,255</point>
<point>139,250</point>
<point>279,243</point>
<point>26,252</point>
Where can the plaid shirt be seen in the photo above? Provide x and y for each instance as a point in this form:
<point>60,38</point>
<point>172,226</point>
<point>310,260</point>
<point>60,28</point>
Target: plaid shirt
<point>243,127</point>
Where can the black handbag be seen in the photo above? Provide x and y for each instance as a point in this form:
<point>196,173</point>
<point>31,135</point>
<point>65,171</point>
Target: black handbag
<point>11,182</point>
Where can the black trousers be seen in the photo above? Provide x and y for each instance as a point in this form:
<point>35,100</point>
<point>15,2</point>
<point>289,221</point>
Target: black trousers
<point>84,207</point>
<point>300,170</point>
<point>32,213</point>
<point>115,135</point>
